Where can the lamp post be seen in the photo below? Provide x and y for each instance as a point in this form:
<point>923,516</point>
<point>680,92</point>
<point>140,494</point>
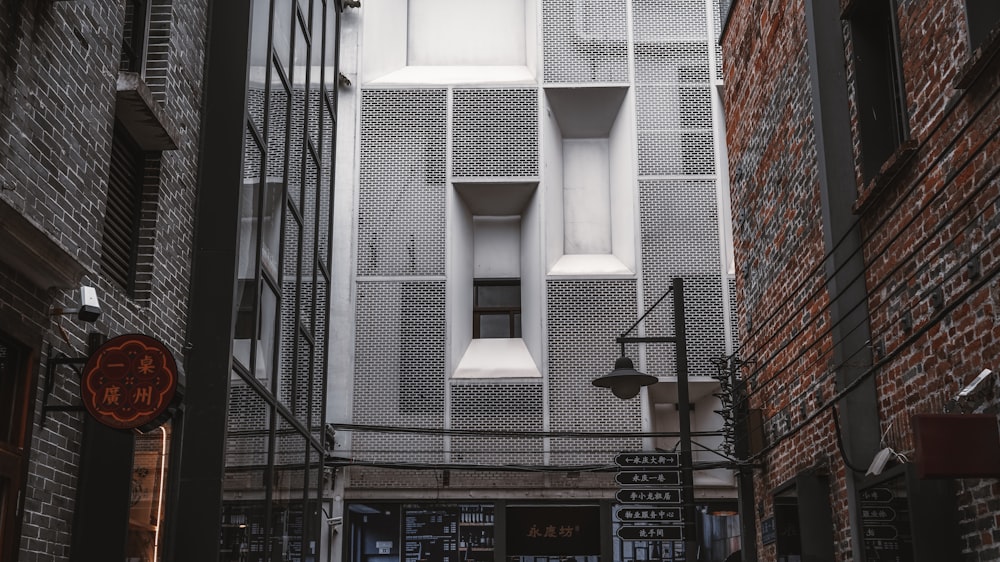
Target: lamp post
<point>625,382</point>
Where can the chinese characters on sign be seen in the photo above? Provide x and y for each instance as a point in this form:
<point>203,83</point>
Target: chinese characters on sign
<point>648,460</point>
<point>551,532</point>
<point>542,531</point>
<point>648,479</point>
<point>652,515</point>
<point>129,382</point>
<point>643,478</point>
<point>664,495</point>
<point>885,522</point>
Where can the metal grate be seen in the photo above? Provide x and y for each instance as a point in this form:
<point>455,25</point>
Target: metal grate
<point>585,41</point>
<point>673,99</point>
<point>583,319</point>
<point>661,21</point>
<point>399,366</point>
<point>401,208</point>
<point>495,133</point>
<point>679,229</point>
<point>497,407</point>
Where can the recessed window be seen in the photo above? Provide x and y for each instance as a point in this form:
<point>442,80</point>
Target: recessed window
<point>984,18</point>
<point>883,124</point>
<point>496,310</point>
<point>133,57</point>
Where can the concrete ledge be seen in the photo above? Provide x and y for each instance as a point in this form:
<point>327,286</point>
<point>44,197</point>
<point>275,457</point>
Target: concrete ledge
<point>29,249</point>
<point>143,117</point>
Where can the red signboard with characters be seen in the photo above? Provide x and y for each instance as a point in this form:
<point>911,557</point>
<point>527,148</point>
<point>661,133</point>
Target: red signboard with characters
<point>129,382</point>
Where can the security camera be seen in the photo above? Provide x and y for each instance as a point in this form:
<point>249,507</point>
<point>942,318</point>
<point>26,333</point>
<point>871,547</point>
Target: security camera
<point>334,521</point>
<point>972,386</point>
<point>90,308</point>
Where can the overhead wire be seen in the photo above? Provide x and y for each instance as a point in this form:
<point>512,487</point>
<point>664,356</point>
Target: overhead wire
<point>941,225</point>
<point>901,263</point>
<point>936,317</point>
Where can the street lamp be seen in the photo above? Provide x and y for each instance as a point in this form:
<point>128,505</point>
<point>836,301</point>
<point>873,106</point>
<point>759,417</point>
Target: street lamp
<point>625,382</point>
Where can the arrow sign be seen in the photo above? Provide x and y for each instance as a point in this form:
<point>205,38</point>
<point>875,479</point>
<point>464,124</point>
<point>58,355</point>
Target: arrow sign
<point>880,532</point>
<point>877,514</point>
<point>647,477</point>
<point>648,460</point>
<point>651,515</point>
<point>877,495</point>
<point>661,495</point>
<point>659,532</point>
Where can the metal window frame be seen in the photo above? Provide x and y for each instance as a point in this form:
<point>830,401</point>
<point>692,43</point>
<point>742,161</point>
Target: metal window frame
<point>512,312</point>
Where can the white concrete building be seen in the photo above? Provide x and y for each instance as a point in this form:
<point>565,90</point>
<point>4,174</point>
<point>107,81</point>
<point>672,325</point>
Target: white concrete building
<point>518,182</point>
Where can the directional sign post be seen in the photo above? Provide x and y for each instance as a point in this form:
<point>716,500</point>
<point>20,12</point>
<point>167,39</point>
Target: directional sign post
<point>657,496</point>
<point>650,515</point>
<point>662,532</point>
<point>649,478</point>
<point>648,460</point>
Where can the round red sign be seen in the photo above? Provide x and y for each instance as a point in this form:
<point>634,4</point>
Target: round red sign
<point>129,382</point>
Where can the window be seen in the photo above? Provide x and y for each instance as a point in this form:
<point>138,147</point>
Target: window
<point>130,216</point>
<point>984,17</point>
<point>15,415</point>
<point>150,465</point>
<point>496,310</point>
<point>134,36</point>
<point>881,100</point>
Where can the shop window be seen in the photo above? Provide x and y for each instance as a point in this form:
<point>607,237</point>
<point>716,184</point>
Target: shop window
<point>984,19</point>
<point>496,309</point>
<point>149,477</point>
<point>130,215</point>
<point>15,415</point>
<point>883,124</point>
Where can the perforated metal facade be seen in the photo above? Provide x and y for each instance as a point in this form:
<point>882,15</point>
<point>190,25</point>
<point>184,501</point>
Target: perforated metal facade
<point>399,368</point>
<point>585,41</point>
<point>501,407</point>
<point>583,318</point>
<point>416,140</point>
<point>495,133</point>
<point>401,205</point>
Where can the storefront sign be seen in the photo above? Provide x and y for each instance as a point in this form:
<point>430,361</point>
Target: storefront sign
<point>129,382</point>
<point>557,530</point>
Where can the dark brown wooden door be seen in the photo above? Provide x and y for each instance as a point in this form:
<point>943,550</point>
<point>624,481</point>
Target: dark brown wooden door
<point>15,386</point>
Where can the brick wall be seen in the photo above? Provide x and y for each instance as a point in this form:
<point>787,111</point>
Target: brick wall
<point>928,231</point>
<point>58,68</point>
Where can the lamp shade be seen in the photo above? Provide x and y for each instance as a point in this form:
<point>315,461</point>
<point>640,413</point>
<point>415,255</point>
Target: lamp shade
<point>624,381</point>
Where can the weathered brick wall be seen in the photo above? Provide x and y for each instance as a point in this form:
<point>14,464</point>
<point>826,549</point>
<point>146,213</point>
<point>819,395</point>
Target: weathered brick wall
<point>930,227</point>
<point>782,302</point>
<point>58,68</point>
<point>933,251</point>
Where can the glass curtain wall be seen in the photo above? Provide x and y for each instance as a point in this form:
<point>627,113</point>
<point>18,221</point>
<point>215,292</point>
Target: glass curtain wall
<point>275,481</point>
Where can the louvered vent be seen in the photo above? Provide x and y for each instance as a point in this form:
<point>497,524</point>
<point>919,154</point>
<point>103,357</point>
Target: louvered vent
<point>121,221</point>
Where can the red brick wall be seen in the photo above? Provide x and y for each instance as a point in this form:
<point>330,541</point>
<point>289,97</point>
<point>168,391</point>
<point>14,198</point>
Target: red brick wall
<point>921,231</point>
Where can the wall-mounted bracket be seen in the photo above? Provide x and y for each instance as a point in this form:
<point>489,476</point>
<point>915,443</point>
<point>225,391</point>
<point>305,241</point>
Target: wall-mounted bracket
<point>51,365</point>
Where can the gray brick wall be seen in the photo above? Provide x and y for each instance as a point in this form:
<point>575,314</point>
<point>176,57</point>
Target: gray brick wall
<point>58,69</point>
